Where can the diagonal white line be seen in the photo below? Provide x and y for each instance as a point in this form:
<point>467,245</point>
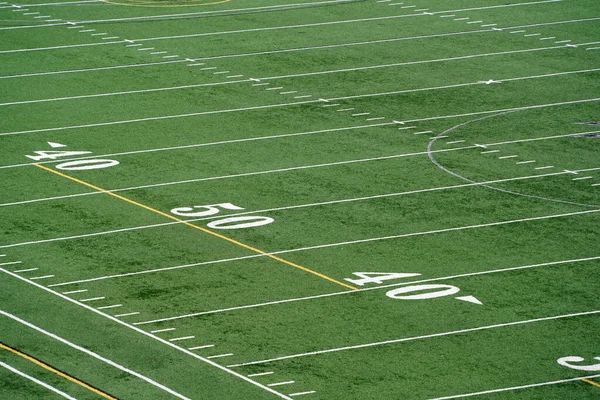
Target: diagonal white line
<point>375,239</point>
<point>31,378</point>
<point>409,339</point>
<point>92,354</point>
<point>149,335</point>
<point>320,296</point>
<point>531,385</point>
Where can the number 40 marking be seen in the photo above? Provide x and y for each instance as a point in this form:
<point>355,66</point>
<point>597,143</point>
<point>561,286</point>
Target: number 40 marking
<point>413,292</point>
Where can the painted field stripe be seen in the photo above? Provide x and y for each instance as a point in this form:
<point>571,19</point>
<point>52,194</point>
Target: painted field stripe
<point>220,356</point>
<point>280,383</point>
<point>88,96</point>
<point>86,351</point>
<point>410,339</point>
<point>144,333</point>
<point>111,306</point>
<point>218,235</point>
<point>70,46</point>
<point>178,339</point>
<point>320,296</point>
<point>532,385</point>
<point>206,346</point>
<point>260,374</point>
<point>281,105</point>
<point>222,142</point>
<point>43,384</point>
<point>297,206</point>
<point>127,314</point>
<point>75,291</point>
<point>163,330</point>
<point>73,71</point>
<point>50,368</point>
<point>301,393</point>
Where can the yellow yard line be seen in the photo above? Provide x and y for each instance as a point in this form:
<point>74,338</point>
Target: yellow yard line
<point>255,250</point>
<point>591,382</point>
<point>57,372</point>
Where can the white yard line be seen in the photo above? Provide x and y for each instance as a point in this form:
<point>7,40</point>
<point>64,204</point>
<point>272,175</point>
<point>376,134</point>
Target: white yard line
<point>90,353</point>
<point>200,13</point>
<point>507,389</point>
<point>183,87</point>
<point>149,335</point>
<point>329,245</point>
<point>410,339</point>
<point>31,378</point>
<point>222,142</point>
<point>360,290</point>
<point>70,46</point>
<point>281,105</point>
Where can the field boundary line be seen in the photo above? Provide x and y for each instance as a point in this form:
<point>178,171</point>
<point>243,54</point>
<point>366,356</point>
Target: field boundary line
<point>366,68</point>
<point>35,380</point>
<point>55,371</point>
<point>92,354</point>
<point>339,201</point>
<point>392,285</point>
<point>410,339</point>
<point>147,334</point>
<point>532,385</point>
<point>217,235</point>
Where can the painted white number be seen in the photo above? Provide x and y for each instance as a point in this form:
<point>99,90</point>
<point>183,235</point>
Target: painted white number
<point>377,277</point>
<point>81,165</point>
<point>237,222</point>
<point>566,362</point>
<point>430,292</point>
<point>208,210</point>
<point>53,155</point>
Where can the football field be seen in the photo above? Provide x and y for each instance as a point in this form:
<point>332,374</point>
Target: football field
<point>300,199</point>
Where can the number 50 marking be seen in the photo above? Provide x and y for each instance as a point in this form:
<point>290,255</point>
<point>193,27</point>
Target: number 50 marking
<point>240,222</point>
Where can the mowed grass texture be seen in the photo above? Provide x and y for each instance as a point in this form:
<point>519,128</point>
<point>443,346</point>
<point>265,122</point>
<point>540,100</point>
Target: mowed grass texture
<point>303,199</point>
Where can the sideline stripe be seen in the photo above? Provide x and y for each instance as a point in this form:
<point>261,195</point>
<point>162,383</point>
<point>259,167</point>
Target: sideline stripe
<point>253,249</point>
<point>56,371</point>
<point>591,382</point>
<point>459,396</point>
<point>410,339</point>
<point>31,378</point>
<point>94,355</point>
<point>146,334</point>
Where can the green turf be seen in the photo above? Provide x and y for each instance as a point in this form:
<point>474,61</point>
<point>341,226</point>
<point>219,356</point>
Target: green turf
<point>445,139</point>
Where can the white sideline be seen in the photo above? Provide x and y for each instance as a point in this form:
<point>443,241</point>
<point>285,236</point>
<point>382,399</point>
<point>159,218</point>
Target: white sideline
<point>92,354</point>
<point>31,378</point>
<point>410,339</point>
<point>147,334</point>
